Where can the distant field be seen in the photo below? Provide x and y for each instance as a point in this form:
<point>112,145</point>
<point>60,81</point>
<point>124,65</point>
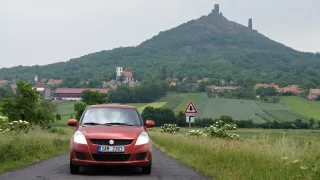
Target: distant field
<point>65,107</point>
<point>172,100</point>
<point>303,106</point>
<point>259,112</point>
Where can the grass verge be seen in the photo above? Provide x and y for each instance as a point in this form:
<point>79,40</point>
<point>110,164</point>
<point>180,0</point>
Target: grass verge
<point>18,150</point>
<point>265,158</point>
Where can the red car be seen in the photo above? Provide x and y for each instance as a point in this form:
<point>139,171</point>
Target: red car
<point>112,135</point>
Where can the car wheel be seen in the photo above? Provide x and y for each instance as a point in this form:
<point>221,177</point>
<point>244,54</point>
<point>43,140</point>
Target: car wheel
<point>74,169</point>
<point>147,169</point>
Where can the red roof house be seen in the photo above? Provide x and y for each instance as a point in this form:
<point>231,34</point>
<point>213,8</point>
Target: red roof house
<point>75,93</point>
<point>54,81</point>
<point>4,82</point>
<point>127,74</point>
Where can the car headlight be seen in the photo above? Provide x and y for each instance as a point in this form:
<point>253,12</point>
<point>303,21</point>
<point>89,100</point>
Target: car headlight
<point>78,137</point>
<point>143,138</point>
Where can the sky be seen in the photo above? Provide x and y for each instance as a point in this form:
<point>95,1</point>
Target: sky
<point>38,32</point>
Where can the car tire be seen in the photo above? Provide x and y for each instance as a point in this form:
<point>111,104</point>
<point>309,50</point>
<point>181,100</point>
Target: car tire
<point>146,169</point>
<point>74,169</point>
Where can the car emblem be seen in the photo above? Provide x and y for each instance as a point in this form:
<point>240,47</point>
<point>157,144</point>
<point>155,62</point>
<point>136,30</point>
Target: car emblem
<point>111,142</point>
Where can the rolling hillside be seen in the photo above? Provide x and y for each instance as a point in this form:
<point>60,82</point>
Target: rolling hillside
<point>210,46</point>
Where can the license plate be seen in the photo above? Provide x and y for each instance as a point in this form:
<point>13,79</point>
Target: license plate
<point>110,148</point>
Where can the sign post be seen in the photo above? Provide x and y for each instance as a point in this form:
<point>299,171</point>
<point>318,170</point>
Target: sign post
<point>190,111</point>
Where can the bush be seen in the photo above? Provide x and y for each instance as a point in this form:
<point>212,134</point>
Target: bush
<point>58,116</point>
<point>170,128</point>
<point>16,126</point>
<point>218,129</point>
<point>158,115</point>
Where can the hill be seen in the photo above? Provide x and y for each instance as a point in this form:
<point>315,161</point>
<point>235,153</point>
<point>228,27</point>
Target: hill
<point>210,46</point>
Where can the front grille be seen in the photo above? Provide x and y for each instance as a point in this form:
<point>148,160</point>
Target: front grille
<point>81,156</point>
<point>117,142</point>
<point>111,157</point>
<point>141,156</point>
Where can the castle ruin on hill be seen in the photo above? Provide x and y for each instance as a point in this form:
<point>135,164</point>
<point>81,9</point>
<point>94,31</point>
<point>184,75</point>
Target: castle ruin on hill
<point>216,11</point>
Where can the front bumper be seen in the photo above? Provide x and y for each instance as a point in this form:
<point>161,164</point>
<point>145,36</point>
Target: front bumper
<point>87,155</point>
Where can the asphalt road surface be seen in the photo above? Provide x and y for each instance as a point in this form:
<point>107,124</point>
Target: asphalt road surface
<point>57,168</point>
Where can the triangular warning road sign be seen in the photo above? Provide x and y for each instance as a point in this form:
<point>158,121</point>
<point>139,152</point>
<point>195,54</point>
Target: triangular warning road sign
<point>191,109</point>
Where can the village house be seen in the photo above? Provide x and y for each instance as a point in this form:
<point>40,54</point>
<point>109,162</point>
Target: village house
<point>74,93</point>
<point>54,82</point>
<point>43,89</point>
<point>3,82</point>
<point>216,89</point>
<point>314,94</point>
<point>291,88</point>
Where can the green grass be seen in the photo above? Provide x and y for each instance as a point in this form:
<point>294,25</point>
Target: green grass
<point>246,159</point>
<point>18,150</point>
<point>301,135</point>
<point>65,108</point>
<point>303,106</point>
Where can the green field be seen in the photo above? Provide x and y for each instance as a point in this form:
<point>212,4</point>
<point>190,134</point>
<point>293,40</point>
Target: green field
<point>173,100</point>
<point>303,106</point>
<point>259,112</point>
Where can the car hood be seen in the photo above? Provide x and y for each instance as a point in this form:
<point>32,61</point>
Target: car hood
<point>111,132</point>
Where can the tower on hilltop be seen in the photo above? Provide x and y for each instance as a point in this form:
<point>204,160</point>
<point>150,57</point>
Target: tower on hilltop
<point>216,9</point>
<point>250,23</point>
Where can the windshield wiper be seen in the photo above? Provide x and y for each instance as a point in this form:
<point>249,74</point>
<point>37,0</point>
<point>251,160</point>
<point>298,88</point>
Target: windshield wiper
<point>91,123</point>
<point>124,124</point>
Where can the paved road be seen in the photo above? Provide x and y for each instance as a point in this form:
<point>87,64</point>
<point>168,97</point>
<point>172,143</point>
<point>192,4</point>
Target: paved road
<point>57,168</point>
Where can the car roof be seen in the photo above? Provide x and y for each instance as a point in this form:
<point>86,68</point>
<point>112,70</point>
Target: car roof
<point>112,106</point>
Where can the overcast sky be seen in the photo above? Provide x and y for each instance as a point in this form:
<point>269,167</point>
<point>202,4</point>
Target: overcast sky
<point>46,31</point>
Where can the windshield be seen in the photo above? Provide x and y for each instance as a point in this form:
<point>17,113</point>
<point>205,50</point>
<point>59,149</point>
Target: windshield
<point>109,116</point>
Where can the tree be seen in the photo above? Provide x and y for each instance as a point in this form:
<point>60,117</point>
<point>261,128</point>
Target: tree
<point>79,108</point>
<point>93,97</point>
<point>311,123</point>
<point>226,119</point>
<point>181,119</point>
<point>58,116</point>
<point>25,104</point>
<point>5,91</point>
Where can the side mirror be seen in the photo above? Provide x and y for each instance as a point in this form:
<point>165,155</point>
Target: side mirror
<point>72,122</point>
<point>150,123</point>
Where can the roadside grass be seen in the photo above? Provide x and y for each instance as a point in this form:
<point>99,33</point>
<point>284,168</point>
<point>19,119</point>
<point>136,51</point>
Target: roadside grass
<point>18,150</point>
<point>301,135</point>
<point>265,158</point>
<point>303,106</point>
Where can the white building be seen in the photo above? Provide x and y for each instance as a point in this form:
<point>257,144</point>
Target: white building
<point>127,75</point>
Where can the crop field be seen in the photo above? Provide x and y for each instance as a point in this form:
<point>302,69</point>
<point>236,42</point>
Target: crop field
<point>259,112</point>
<point>303,106</point>
<point>154,104</point>
<point>172,100</point>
